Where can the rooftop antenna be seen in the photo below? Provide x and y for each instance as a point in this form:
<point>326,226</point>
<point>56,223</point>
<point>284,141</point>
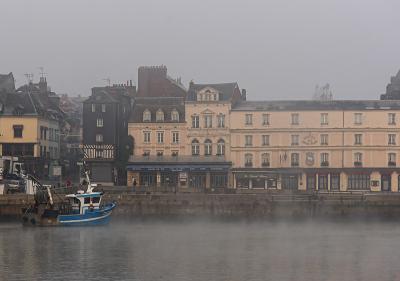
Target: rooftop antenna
<point>108,80</point>
<point>42,73</point>
<point>29,77</point>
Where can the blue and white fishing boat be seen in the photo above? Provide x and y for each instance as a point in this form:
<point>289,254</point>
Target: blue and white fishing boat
<point>77,209</point>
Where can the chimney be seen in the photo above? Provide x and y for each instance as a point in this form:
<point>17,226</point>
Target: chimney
<point>244,94</point>
<point>43,85</point>
<point>150,78</point>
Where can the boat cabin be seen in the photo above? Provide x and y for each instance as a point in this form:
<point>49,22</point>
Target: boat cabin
<point>84,202</point>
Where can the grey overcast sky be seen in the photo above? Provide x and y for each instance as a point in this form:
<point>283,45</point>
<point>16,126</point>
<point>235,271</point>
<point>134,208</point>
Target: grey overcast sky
<point>276,49</point>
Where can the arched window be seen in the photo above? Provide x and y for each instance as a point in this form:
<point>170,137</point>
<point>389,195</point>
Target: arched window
<point>207,147</point>
<point>248,160</point>
<point>265,160</point>
<point>221,147</point>
<point>159,116</point>
<point>195,147</point>
<point>175,115</point>
<point>146,116</point>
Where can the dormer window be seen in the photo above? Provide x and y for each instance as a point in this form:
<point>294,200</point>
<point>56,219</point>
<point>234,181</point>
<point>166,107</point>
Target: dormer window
<point>159,116</point>
<point>175,116</point>
<point>146,116</point>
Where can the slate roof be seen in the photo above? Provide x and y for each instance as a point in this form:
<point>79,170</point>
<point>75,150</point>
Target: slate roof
<point>301,105</point>
<point>17,104</point>
<point>153,104</point>
<point>226,90</point>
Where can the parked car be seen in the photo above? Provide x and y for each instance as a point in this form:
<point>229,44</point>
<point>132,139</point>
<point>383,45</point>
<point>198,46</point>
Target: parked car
<point>14,183</point>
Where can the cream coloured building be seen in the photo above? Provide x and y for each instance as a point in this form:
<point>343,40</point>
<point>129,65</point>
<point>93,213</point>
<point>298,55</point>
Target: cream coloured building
<point>316,145</point>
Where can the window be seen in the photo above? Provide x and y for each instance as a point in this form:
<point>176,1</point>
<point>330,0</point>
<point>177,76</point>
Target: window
<point>357,118</point>
<point>358,139</point>
<point>324,159</point>
<point>160,137</point>
<point>93,107</point>
<point>392,118</point>
<point>99,138</point>
<point>146,153</point>
<point>195,121</point>
<point>265,140</point>
<point>248,140</point>
<point>265,119</point>
<point>358,159</point>
<point>146,116</point>
<point>294,157</point>
<point>295,119</point>
<point>248,160</point>
<point>99,153</point>
<point>160,153</point>
<point>103,108</point>
<point>100,122</point>
<point>221,147</point>
<point>324,139</point>
<point>175,116</point>
<point>207,147</point>
<point>324,118</point>
<point>174,153</point>
<point>295,139</point>
<point>358,182</point>
<point>159,116</point>
<point>221,121</point>
<point>207,121</point>
<point>265,160</point>
<point>195,147</point>
<point>146,137</point>
<point>18,131</point>
<point>392,139</point>
<point>249,119</point>
<point>391,159</point>
<point>175,137</point>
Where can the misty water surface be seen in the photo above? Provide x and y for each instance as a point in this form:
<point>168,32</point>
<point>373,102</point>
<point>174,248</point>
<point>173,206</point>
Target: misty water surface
<point>202,250</point>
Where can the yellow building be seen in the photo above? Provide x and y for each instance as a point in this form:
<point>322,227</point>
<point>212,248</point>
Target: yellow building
<point>28,131</point>
<point>315,145</point>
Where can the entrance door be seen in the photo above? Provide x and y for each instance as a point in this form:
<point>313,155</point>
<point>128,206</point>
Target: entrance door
<point>386,182</point>
<point>290,182</point>
<point>322,182</point>
<point>311,182</point>
<point>198,180</point>
<point>335,182</point>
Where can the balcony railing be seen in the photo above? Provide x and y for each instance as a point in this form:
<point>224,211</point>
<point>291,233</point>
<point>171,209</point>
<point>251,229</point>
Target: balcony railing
<point>325,164</point>
<point>357,164</point>
<point>295,164</point>
<point>248,164</point>
<point>265,164</point>
<point>392,164</point>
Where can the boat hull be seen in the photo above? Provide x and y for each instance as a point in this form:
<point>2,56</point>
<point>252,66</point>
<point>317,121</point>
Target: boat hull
<point>99,216</point>
<point>96,217</point>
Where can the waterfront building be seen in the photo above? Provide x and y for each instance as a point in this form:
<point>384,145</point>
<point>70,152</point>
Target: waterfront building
<point>208,121</point>
<point>106,144</point>
<point>316,145</point>
<point>30,121</point>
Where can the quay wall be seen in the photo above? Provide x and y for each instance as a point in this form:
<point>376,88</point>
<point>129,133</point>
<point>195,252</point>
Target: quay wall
<point>237,205</point>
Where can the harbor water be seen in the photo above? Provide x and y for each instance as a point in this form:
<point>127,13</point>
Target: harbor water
<point>201,249</point>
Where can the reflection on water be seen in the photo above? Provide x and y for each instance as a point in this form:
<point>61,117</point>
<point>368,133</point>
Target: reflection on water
<point>202,250</point>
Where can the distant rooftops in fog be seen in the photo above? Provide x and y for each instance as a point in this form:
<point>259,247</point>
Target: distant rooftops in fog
<point>7,82</point>
<point>393,88</point>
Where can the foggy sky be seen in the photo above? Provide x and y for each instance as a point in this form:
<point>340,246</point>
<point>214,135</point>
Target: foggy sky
<point>276,49</point>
